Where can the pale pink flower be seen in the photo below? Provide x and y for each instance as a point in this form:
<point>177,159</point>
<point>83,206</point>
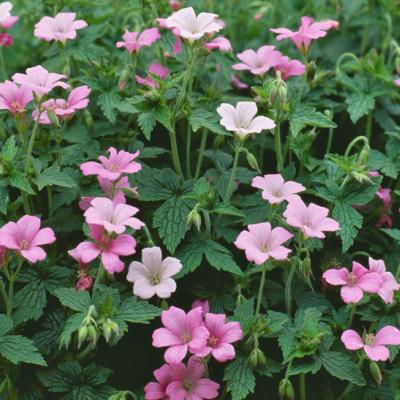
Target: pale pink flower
<point>113,217</point>
<point>221,336</point>
<point>192,27</point>
<point>26,238</point>
<point>312,220</point>
<point>157,390</point>
<point>203,304</point>
<point>220,43</point>
<point>353,283</point>
<point>5,11</point>
<point>261,243</point>
<point>9,22</point>
<point>373,345</point>
<point>237,83</point>
<point>155,69</point>
<point>180,332</point>
<point>14,98</point>
<point>187,382</point>
<point>134,41</point>
<point>242,119</point>
<point>40,80</point>
<point>397,82</point>
<point>113,167</point>
<point>178,42</point>
<point>385,195</point>
<point>153,276</point>
<point>258,62</point>
<point>60,28</point>
<point>389,283</point>
<point>308,31</point>
<point>275,189</point>
<point>109,248</point>
<point>288,68</point>
<point>6,40</point>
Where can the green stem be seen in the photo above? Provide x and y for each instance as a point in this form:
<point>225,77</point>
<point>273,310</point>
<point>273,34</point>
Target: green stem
<point>203,144</point>
<point>2,65</point>
<point>150,241</point>
<point>99,276</point>
<point>188,148</point>
<point>229,189</point>
<point>352,313</point>
<point>175,154</point>
<point>302,386</point>
<point>354,142</point>
<point>261,290</point>
<point>207,223</point>
<point>288,289</point>
<point>32,140</point>
<point>12,280</point>
<point>278,147</point>
<point>4,295</point>
<point>368,128</point>
<point>330,139</point>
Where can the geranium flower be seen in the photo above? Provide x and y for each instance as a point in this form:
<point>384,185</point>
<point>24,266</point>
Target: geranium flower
<point>14,98</point>
<point>6,40</point>
<point>373,345</point>
<point>110,249</point>
<point>242,119</point>
<point>203,304</point>
<point>187,382</point>
<point>389,283</point>
<point>134,41</point>
<point>275,189</point>
<point>114,218</point>
<point>112,168</point>
<point>258,62</point>
<point>353,283</point>
<point>221,335</point>
<point>154,69</point>
<point>219,43</point>
<point>9,22</point>
<point>153,276</point>
<point>60,28</point>
<point>312,220</point>
<point>308,31</point>
<point>40,80</point>
<point>261,243</point>
<point>157,390</point>
<point>26,238</point>
<point>288,68</point>
<point>181,331</point>
<point>5,10</point>
<point>192,27</point>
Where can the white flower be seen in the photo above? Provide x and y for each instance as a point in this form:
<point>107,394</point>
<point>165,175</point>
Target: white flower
<point>5,10</point>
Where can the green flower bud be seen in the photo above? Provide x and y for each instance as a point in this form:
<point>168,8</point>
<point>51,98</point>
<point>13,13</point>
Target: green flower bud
<point>253,358</point>
<point>124,78</point>
<point>88,119</point>
<point>92,333</point>
<point>375,372</point>
<point>286,391</point>
<point>82,335</point>
<point>194,218</point>
<point>218,141</point>
<point>364,154</point>
<point>252,161</point>
<point>278,92</point>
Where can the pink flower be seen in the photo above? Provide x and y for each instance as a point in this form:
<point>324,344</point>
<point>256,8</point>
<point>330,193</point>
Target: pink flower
<point>261,242</point>
<point>308,31</point>
<point>14,98</point>
<point>397,82</point>
<point>110,249</point>
<point>221,335</point>
<point>178,42</point>
<point>181,331</point>
<point>219,43</point>
<point>354,283</point>
<point>203,304</point>
<point>236,83</point>
<point>385,195</point>
<point>275,189</point>
<point>155,69</point>
<point>153,276</point>
<point>175,4</point>
<point>9,22</point>
<point>6,40</point>
<point>114,218</point>
<point>258,63</point>
<point>5,10</point>
<point>134,41</point>
<point>373,345</point>
<point>192,27</point>
<point>40,80</point>
<point>311,220</point>
<point>242,120</point>
<point>389,283</point>
<point>84,282</point>
<point>157,390</point>
<point>112,168</point>
<point>289,68</point>
<point>187,383</point>
<point>26,238</point>
<point>60,28</point>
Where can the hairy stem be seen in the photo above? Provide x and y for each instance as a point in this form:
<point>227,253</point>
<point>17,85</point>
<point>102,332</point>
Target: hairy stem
<point>203,144</point>
<point>229,189</point>
<point>261,290</point>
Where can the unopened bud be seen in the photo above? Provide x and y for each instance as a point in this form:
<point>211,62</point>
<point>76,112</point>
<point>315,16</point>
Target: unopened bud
<point>286,391</point>
<point>397,63</point>
<point>88,119</point>
<point>175,5</point>
<point>53,118</point>
<point>305,267</point>
<point>278,92</point>
<point>82,335</point>
<point>252,161</point>
<point>92,333</point>
<point>311,69</point>
<point>257,359</point>
<point>218,141</point>
<point>194,218</point>
<point>375,372</point>
<point>364,154</point>
<point>124,78</point>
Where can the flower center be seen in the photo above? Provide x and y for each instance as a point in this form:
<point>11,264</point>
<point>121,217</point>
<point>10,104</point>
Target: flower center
<point>16,107</point>
<point>114,168</point>
<point>23,244</point>
<point>212,341</point>
<point>352,279</point>
<point>155,279</point>
<point>369,339</point>
<point>186,337</point>
<point>187,384</point>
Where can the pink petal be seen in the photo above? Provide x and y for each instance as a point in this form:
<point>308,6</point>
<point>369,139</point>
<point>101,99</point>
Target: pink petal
<point>352,340</point>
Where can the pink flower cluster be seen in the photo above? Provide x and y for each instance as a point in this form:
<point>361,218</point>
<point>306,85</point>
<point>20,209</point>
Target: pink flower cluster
<point>373,280</point>
<point>108,217</point>
<point>7,21</point>
<point>200,333</point>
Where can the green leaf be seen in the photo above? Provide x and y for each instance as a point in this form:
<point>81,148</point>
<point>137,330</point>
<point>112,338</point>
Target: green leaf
<point>47,339</point>
<point>170,220</point>
<point>393,233</point>
<point>19,349</point>
<point>163,115</point>
<point>201,118</point>
<point>359,104</point>
<point>341,366</point>
<point>108,102</point>
<point>239,377</point>
<point>9,149</point>
<point>244,314</point>
<point>137,311</point>
<point>77,300</point>
<point>3,200</point>
<point>6,324</point>
<point>53,176</point>
<point>17,179</point>
<point>227,209</point>
<point>147,122</point>
<point>220,258</point>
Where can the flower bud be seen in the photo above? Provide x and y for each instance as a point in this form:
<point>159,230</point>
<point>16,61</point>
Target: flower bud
<point>305,267</point>
<point>92,333</point>
<point>375,372</point>
<point>364,154</point>
<point>397,63</point>
<point>278,92</point>
<point>82,335</point>
<point>251,160</point>
<point>88,119</point>
<point>175,5</point>
<point>286,391</point>
<point>218,141</point>
<point>53,118</point>
<point>124,78</point>
<point>257,359</point>
<point>311,69</point>
<point>194,218</point>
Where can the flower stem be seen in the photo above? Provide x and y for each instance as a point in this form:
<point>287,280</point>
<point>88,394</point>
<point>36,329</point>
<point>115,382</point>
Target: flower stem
<point>229,189</point>
<point>99,276</point>
<point>175,154</point>
<point>2,65</point>
<point>203,144</point>
<point>32,140</point>
<point>288,289</point>
<point>354,142</point>
<point>261,289</point>
<point>12,280</point>
<point>329,143</point>
<point>302,386</point>
<point>278,147</point>
<point>188,148</point>
<point>207,223</point>
<point>368,127</point>
<point>352,313</point>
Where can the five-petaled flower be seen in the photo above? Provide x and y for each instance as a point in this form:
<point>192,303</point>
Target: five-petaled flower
<point>134,41</point>
<point>14,98</point>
